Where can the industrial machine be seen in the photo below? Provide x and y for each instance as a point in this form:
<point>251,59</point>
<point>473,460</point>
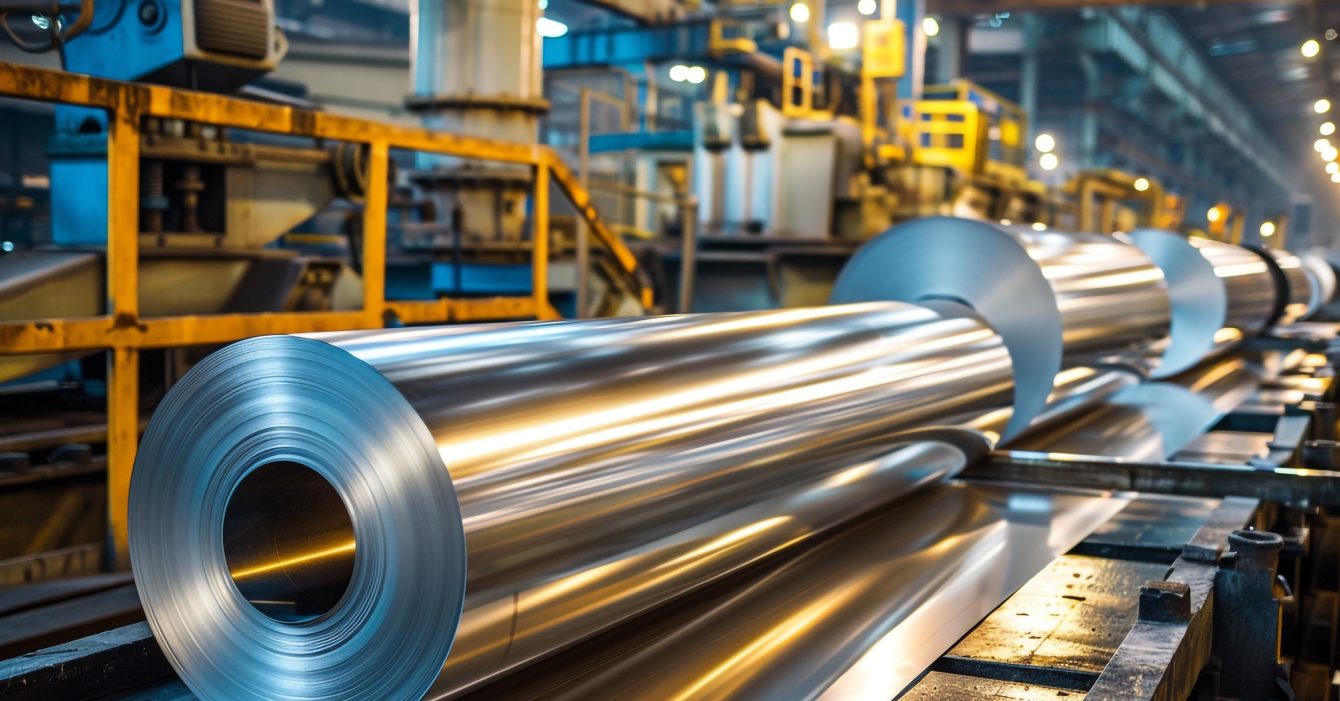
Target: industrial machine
<point>927,427</point>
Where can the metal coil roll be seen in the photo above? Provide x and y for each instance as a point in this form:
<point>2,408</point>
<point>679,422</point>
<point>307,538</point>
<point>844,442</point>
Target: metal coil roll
<point>329,517</point>
<point>1293,289</point>
<point>1058,300</point>
<point>1220,293</point>
<point>1323,281</point>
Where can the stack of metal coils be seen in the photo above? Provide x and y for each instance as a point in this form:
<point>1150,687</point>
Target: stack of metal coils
<point>410,512</point>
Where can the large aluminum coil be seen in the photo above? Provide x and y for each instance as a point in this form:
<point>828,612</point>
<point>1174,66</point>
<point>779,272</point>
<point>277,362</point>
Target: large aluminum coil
<point>1220,294</point>
<point>1322,277</point>
<point>328,517</point>
<point>1293,289</point>
<point>1059,300</point>
<point>858,617</point>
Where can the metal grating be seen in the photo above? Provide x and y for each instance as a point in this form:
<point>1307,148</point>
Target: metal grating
<point>237,27</point>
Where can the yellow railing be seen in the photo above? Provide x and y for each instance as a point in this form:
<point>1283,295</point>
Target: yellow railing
<point>124,332</point>
<point>948,135</point>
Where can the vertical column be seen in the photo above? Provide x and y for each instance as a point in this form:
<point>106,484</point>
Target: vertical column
<point>374,234</point>
<point>539,271</point>
<point>910,12</point>
<point>1028,75</point>
<point>123,182</point>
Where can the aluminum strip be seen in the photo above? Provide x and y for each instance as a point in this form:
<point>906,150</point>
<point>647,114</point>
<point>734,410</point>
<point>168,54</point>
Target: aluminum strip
<point>601,469</point>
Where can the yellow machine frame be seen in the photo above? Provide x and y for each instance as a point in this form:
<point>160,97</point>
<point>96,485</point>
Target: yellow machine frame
<point>125,333</point>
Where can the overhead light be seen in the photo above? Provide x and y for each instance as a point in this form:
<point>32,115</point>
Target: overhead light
<point>800,13</point>
<point>867,7</point>
<point>1327,128</point>
<point>1332,168</point>
<point>544,4</point>
<point>1321,145</point>
<point>1039,226</point>
<point>1331,35</point>
<point>930,26</point>
<point>1044,142</point>
<point>550,28</point>
<point>1214,214</point>
<point>1267,229</point>
<point>843,35</point>
<point>1141,184</point>
<point>1335,178</point>
<point>696,74</point>
<point>679,73</point>
<point>1322,106</point>
<point>1311,48</point>
<point>1049,161</point>
<point>1330,154</point>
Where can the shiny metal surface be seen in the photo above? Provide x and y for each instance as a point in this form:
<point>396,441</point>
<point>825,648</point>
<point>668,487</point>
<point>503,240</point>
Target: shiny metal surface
<point>1322,278</point>
<point>1150,421</point>
<point>1220,293</point>
<point>1058,300</point>
<point>1292,288</point>
<point>601,468</point>
<point>859,616</point>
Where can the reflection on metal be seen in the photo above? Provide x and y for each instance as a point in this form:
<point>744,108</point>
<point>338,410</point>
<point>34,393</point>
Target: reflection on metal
<point>858,616</point>
<point>1220,293</point>
<point>1297,486</point>
<point>1293,288</point>
<point>601,468</point>
<point>125,330</point>
<point>1058,300</point>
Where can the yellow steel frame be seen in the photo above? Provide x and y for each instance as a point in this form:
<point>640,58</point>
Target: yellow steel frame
<point>936,121</point>
<point>125,333</point>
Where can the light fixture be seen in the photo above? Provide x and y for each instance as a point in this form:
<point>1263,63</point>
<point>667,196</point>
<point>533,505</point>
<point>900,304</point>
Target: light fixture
<point>867,7</point>
<point>930,26</point>
<point>1267,229</point>
<point>1039,226</point>
<point>1214,214</point>
<point>1331,34</point>
<point>696,74</point>
<point>1332,168</point>
<point>1310,48</point>
<point>1321,106</point>
<point>679,73</point>
<point>800,13</point>
<point>1049,161</point>
<point>1330,154</point>
<point>550,27</point>
<point>1321,145</point>
<point>843,35</point>
<point>1335,178</point>
<point>1327,128</point>
<point>1141,184</point>
<point>1044,142</point>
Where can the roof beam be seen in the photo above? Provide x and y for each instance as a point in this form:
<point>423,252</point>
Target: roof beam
<point>988,7</point>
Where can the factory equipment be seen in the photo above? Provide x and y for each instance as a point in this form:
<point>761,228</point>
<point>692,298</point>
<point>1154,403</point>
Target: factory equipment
<point>572,480</point>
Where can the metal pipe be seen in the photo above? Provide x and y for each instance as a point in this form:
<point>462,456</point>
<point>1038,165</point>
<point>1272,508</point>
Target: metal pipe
<point>587,472</point>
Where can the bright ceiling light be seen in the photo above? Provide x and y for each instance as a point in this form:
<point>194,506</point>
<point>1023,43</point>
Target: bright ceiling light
<point>1330,154</point>
<point>1321,106</point>
<point>696,74</point>
<point>1141,184</point>
<point>1321,145</point>
<point>550,28</point>
<point>800,13</point>
<point>1332,168</point>
<point>867,7</point>
<point>1039,226</point>
<point>1310,48</point>
<point>679,73</point>
<point>1327,128</point>
<point>1331,34</point>
<point>843,35</point>
<point>930,25</point>
<point>1335,178</point>
<point>1267,229</point>
<point>1214,214</point>
<point>1044,142</point>
<point>1049,161</point>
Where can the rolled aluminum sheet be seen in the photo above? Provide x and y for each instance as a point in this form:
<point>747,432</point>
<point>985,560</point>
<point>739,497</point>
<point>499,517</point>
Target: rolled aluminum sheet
<point>1293,289</point>
<point>1220,294</point>
<point>1151,421</point>
<point>1323,281</point>
<point>601,468</point>
<point>1059,300</point>
<point>857,617</point>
